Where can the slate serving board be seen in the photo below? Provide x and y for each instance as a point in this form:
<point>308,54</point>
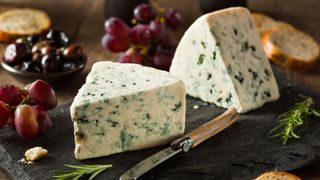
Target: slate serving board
<point>243,151</point>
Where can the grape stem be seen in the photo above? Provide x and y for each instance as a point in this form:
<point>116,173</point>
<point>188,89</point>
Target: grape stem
<point>160,10</point>
<point>26,98</point>
<point>143,49</point>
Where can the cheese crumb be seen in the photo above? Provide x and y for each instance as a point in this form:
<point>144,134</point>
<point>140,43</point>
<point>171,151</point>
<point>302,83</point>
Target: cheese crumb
<point>23,160</point>
<point>35,153</point>
<point>196,107</point>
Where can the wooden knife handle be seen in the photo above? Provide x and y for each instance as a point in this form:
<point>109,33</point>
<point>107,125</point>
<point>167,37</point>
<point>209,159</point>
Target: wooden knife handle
<point>213,127</point>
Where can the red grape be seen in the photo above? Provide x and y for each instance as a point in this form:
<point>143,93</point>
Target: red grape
<point>152,48</point>
<point>115,44</point>
<point>42,94</point>
<point>16,53</point>
<point>131,56</point>
<point>43,118</point>
<point>10,94</point>
<point>4,114</point>
<point>162,59</point>
<point>140,34</point>
<point>26,122</point>
<point>117,37</point>
<point>116,27</point>
<point>144,13</point>
<point>157,29</point>
<point>165,42</point>
<point>11,121</point>
<point>173,18</point>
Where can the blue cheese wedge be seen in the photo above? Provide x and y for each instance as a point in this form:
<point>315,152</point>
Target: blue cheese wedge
<point>221,61</point>
<point>126,107</point>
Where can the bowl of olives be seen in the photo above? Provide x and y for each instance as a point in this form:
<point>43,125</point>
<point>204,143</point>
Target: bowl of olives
<point>50,57</point>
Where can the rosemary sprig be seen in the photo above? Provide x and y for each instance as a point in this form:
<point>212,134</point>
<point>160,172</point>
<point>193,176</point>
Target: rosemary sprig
<point>293,118</point>
<point>77,171</point>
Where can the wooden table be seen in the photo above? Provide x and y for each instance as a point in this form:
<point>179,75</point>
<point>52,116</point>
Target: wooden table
<point>83,21</point>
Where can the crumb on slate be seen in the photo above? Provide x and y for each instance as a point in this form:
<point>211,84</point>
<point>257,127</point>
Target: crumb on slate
<point>24,161</point>
<point>35,153</point>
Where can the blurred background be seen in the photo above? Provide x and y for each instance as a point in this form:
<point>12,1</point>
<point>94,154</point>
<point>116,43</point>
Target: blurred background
<point>83,21</point>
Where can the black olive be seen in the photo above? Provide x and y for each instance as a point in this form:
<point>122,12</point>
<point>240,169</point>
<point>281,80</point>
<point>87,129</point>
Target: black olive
<point>18,67</point>
<point>73,53</point>
<point>33,39</point>
<point>37,57</point>
<point>39,45</point>
<point>48,50</point>
<point>68,65</point>
<point>60,51</point>
<point>51,63</point>
<point>22,40</point>
<point>58,37</point>
<point>29,66</point>
<point>16,53</point>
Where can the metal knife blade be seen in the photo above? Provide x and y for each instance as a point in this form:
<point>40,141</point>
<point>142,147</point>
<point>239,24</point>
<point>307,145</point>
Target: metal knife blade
<point>183,144</point>
<point>149,163</point>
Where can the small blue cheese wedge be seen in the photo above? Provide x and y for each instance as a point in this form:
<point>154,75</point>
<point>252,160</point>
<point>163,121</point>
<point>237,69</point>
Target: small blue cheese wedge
<point>220,59</point>
<point>126,107</point>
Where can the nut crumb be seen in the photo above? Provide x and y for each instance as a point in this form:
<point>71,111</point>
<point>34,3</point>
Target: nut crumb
<point>24,161</point>
<point>196,107</point>
<point>35,153</point>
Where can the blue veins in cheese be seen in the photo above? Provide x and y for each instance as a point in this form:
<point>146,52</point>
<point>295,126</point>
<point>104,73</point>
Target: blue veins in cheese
<point>221,61</point>
<point>126,107</point>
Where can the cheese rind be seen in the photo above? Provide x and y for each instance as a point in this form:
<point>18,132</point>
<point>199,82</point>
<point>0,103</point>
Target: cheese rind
<point>221,61</point>
<point>125,107</point>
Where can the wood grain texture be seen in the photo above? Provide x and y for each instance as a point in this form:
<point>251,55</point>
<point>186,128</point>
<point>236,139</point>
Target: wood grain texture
<point>213,127</point>
<point>83,20</point>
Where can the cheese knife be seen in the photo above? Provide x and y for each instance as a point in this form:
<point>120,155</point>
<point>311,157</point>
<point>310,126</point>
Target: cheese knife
<point>183,144</point>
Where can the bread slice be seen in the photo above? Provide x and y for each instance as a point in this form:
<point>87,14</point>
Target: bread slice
<point>22,22</point>
<point>277,176</point>
<point>291,48</point>
<point>265,23</point>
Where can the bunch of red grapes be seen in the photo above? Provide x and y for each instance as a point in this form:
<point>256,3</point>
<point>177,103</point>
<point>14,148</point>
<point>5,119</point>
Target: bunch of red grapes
<point>26,110</point>
<point>147,42</point>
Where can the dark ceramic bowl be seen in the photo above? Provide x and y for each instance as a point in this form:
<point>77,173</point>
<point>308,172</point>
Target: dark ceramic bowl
<point>52,78</point>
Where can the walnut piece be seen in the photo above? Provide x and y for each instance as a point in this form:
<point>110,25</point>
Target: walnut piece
<point>35,153</point>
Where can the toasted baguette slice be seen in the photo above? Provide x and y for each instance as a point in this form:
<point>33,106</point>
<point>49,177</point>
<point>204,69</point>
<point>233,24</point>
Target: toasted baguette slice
<point>22,22</point>
<point>290,48</point>
<point>265,23</point>
<point>277,176</point>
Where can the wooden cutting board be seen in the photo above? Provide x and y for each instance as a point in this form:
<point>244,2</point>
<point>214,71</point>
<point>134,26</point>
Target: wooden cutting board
<point>242,151</point>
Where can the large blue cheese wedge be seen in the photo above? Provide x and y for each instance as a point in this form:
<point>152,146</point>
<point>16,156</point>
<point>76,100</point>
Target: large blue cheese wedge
<point>125,107</point>
<point>221,61</point>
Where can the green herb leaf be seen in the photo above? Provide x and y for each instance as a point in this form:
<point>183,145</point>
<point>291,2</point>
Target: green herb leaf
<point>77,171</point>
<point>293,118</point>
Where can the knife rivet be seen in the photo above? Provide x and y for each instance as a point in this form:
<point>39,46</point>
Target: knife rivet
<point>186,144</point>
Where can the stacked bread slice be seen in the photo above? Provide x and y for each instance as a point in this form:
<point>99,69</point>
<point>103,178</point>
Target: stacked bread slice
<point>285,45</point>
<point>16,23</point>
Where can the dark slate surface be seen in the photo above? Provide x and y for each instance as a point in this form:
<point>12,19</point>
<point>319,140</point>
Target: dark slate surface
<point>242,151</point>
